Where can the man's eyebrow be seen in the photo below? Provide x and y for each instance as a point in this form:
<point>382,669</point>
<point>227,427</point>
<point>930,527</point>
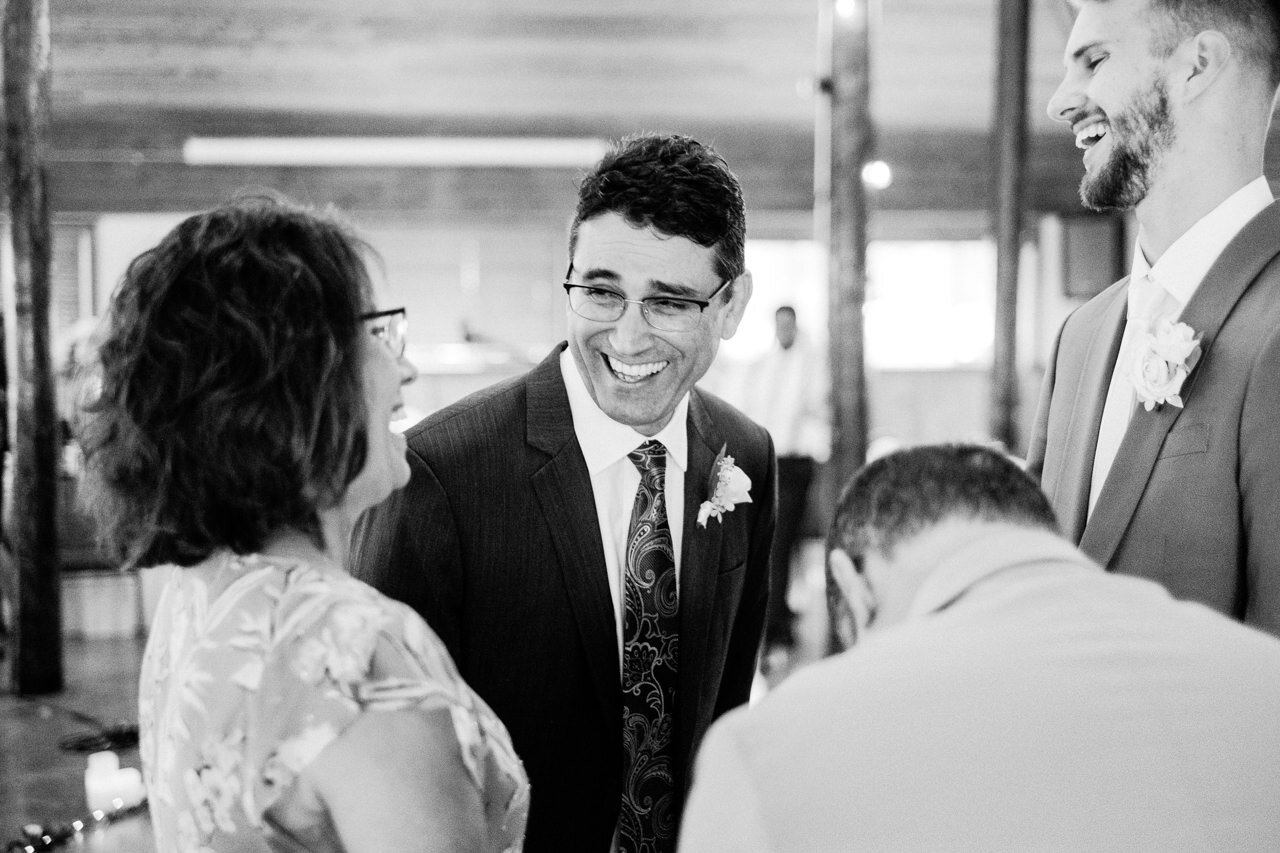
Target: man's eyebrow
<point>667,288</point>
<point>597,274</point>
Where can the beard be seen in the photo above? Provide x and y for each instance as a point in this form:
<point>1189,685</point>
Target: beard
<point>1139,137</point>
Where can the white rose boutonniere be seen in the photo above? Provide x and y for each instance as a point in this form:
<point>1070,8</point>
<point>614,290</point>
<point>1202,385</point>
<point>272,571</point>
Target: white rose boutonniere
<point>1165,357</point>
<point>728,487</point>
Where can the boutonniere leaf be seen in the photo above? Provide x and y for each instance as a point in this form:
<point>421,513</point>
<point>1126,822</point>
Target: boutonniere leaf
<point>728,486</point>
<point>1165,357</point>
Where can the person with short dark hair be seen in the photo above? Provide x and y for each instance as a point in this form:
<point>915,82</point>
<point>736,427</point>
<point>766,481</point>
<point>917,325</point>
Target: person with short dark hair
<point>592,539</point>
<point>246,382</point>
<point>1155,432</point>
<point>1004,693</point>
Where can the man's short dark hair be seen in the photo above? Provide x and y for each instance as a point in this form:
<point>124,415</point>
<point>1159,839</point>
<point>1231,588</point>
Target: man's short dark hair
<point>231,402</point>
<point>1252,26</point>
<point>675,185</point>
<point>901,494</point>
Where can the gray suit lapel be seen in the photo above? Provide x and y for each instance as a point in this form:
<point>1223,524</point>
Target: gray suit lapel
<point>1224,284</point>
<point>563,489</point>
<point>1067,478</point>
<point>699,570</point>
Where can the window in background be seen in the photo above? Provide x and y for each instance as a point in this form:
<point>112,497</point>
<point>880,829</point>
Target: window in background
<point>930,304</point>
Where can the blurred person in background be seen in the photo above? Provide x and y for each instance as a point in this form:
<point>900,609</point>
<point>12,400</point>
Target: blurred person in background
<point>247,383</point>
<point>786,391</point>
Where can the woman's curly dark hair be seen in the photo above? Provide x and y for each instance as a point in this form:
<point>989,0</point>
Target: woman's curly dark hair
<point>231,405</point>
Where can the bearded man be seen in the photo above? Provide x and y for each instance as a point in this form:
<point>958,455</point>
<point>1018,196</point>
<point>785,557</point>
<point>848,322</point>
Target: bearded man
<point>1155,436</point>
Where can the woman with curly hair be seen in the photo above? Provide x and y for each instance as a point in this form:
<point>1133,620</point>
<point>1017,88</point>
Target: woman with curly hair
<point>241,425</point>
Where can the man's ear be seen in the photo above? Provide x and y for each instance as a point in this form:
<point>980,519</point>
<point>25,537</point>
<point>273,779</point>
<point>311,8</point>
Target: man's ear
<point>742,288</point>
<point>844,573</point>
<point>1204,57</point>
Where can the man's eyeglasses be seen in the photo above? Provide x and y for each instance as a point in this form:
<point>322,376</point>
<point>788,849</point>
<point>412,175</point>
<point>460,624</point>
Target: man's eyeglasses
<point>390,327</point>
<point>664,313</point>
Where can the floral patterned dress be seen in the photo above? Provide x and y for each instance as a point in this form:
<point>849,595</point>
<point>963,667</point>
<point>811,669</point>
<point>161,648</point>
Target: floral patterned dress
<point>255,664</point>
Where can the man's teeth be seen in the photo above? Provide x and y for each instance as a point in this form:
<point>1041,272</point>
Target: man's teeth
<point>635,371</point>
<point>1087,136</point>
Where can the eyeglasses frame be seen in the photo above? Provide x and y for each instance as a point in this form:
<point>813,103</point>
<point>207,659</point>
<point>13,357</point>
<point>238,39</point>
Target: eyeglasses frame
<point>404,323</point>
<point>644,308</point>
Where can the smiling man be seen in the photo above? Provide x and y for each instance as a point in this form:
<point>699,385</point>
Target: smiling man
<point>1155,437</point>
<point>551,529</point>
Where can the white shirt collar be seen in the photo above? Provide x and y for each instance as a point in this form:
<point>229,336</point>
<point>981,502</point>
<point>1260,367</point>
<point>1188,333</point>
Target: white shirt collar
<point>1184,264</point>
<point>971,564</point>
<point>603,440</point>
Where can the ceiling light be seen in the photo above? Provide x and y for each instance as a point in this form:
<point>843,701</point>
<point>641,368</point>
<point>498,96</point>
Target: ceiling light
<point>440,151</point>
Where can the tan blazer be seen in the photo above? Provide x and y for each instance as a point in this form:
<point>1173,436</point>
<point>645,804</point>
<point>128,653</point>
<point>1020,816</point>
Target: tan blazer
<point>1193,498</point>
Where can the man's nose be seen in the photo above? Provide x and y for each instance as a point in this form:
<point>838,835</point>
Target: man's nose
<point>631,330</point>
<point>1067,100</point>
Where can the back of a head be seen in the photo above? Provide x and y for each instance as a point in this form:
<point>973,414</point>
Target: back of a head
<point>904,492</point>
<point>675,185</point>
<point>230,403</point>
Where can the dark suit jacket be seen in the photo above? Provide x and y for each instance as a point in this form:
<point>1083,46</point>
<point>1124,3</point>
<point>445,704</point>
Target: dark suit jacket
<point>1193,498</point>
<point>496,542</point>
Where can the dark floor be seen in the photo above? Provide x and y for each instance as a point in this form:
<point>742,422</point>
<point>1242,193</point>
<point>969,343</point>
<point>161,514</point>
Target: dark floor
<point>41,783</point>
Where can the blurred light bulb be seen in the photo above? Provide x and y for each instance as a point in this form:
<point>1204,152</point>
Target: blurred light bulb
<point>877,175</point>
<point>847,8</point>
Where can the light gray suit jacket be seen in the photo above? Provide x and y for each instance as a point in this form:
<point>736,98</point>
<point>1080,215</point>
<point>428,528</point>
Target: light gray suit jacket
<point>1193,498</point>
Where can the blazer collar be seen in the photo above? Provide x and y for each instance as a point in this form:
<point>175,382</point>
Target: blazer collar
<point>701,561</point>
<point>1225,283</point>
<point>1074,464</point>
<point>550,425</point>
<point>562,486</point>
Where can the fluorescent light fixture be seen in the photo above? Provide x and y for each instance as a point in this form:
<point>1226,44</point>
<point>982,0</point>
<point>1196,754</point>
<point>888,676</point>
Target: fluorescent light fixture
<point>445,151</point>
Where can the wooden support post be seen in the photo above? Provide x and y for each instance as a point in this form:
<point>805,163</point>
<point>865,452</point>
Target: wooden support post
<point>841,212</point>
<point>37,665</point>
<point>1010,136</point>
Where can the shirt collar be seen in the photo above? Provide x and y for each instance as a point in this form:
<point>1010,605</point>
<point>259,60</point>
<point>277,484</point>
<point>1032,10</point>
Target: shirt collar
<point>975,562</point>
<point>1184,264</point>
<point>603,440</point>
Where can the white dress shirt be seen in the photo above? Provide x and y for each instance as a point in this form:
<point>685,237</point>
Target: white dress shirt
<point>786,391</point>
<point>1163,290</point>
<point>605,444</point>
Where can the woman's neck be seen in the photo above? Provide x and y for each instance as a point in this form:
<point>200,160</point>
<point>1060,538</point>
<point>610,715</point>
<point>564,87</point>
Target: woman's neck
<point>291,543</point>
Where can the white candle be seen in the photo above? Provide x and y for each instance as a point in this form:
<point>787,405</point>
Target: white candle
<point>100,780</point>
<point>108,787</point>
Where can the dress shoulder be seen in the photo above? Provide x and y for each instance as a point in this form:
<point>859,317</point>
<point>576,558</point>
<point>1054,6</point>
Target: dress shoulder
<point>279,662</point>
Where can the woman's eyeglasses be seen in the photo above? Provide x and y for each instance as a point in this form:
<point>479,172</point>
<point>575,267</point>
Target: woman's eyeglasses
<point>390,327</point>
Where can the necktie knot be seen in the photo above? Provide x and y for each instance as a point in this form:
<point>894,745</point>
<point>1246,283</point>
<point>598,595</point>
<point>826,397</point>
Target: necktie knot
<point>649,457</point>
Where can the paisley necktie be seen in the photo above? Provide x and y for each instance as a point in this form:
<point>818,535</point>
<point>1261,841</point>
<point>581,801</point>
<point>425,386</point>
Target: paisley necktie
<point>650,638</point>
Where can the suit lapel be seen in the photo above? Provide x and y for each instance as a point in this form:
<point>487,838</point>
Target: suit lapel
<point>1069,480</point>
<point>699,569</point>
<point>563,489</point>
<point>1227,280</point>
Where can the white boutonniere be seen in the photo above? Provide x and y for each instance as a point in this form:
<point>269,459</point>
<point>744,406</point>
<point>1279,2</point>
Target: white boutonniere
<point>1165,357</point>
<point>728,487</point>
